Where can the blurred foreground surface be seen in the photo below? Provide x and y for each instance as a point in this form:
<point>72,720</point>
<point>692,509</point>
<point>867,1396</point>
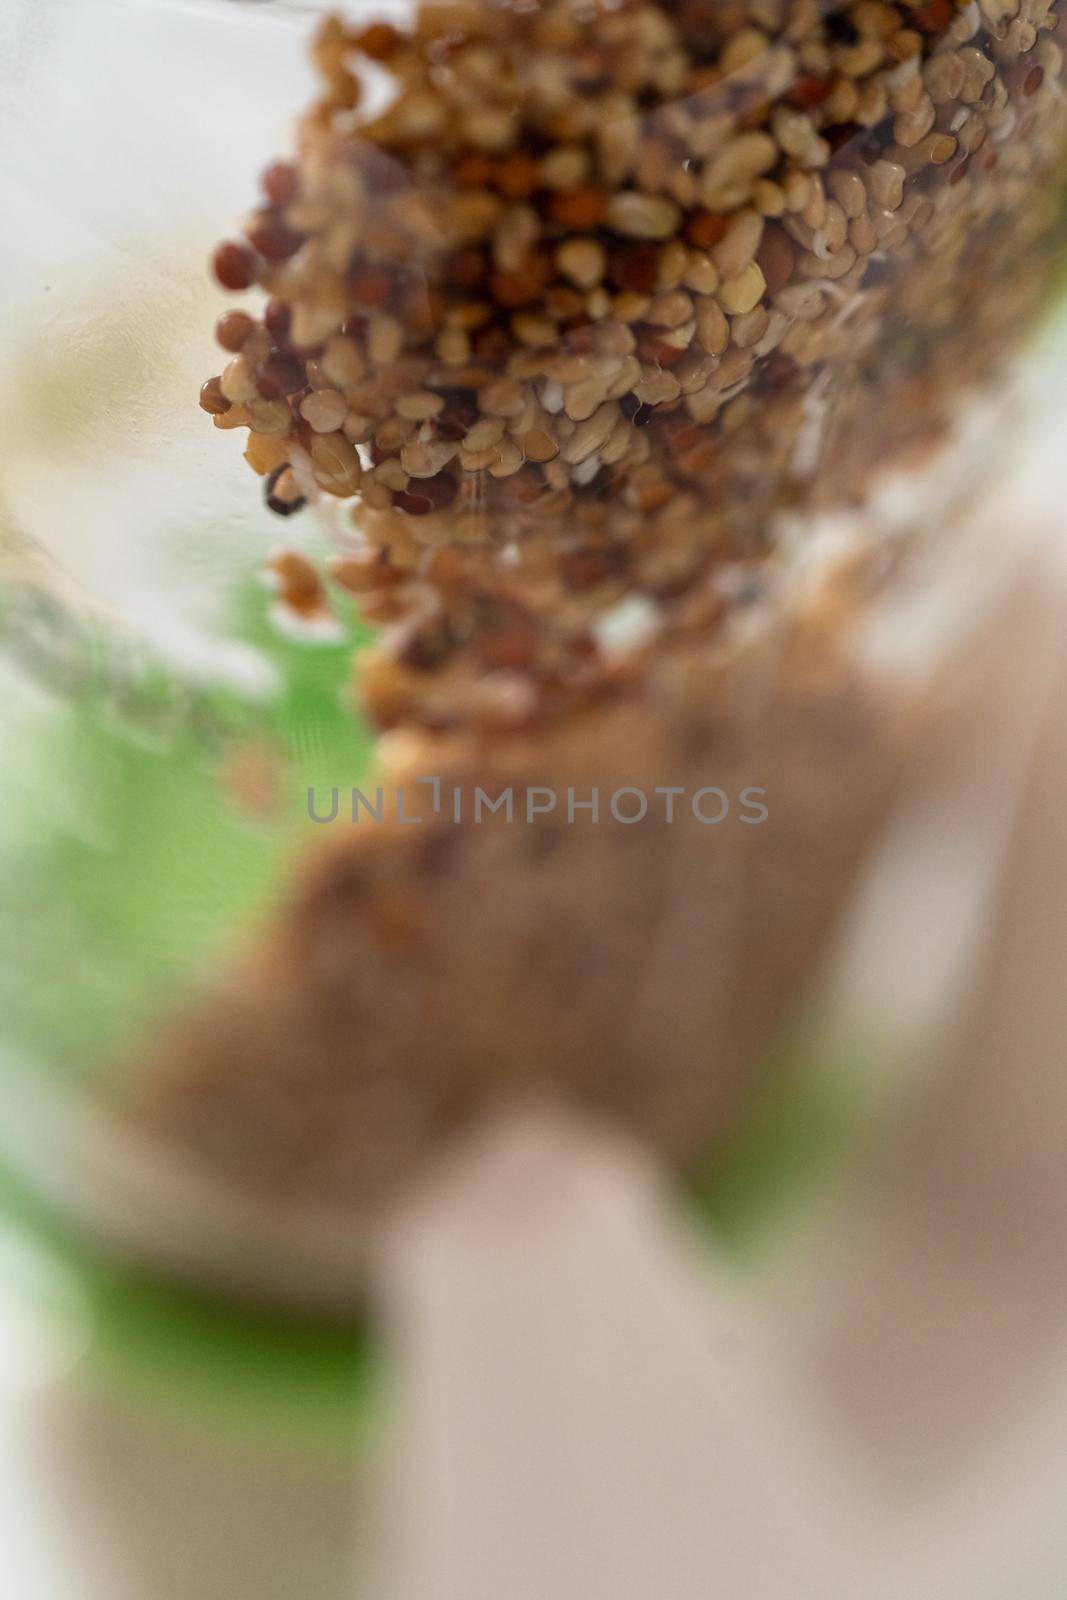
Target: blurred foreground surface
<point>588,1398</point>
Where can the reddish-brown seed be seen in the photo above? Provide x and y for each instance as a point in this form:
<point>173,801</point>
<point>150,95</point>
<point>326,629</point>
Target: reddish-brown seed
<point>635,267</point>
<point>524,285</point>
<point>378,41</point>
<point>492,346</point>
<point>517,176</point>
<point>703,229</point>
<point>652,350</point>
<point>580,209</point>
<point>212,399</point>
<point>809,91</point>
<point>776,257</point>
<point>372,286</point>
<point>1033,80</point>
<point>280,182</point>
<point>280,375</point>
<point>232,329</point>
<point>426,494</point>
<point>267,233</point>
<point>298,583</point>
<point>473,171</point>
<point>468,269</point>
<point>933,16</point>
<point>277,318</point>
<point>460,413</point>
<point>233,265</point>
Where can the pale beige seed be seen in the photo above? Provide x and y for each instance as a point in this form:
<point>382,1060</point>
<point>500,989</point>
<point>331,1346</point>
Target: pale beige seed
<point>643,216</point>
<point>478,460</point>
<point>385,339</point>
<point>769,198</point>
<point>391,475</point>
<point>943,77</point>
<point>613,339</point>
<point>426,459</point>
<point>796,187</point>
<point>358,428</point>
<point>489,127</point>
<point>911,126</point>
<point>618,443</point>
<point>582,261</point>
<point>885,180</point>
<point>489,431</point>
<point>860,59</point>
<point>746,47</point>
<point>565,167</point>
<point>312,324</point>
<point>681,337</point>
<point>324,410</point>
<point>848,190</point>
<point>342,361</point>
<point>504,398</point>
<point>257,347</point>
<point>269,416</point>
<point>740,294</point>
<point>701,275</point>
<point>739,245</point>
<point>628,374</point>
<point>582,399</point>
<point>591,434</point>
<point>729,177</point>
<point>238,382</point>
<point>420,406</point>
<point>509,460</point>
<point>748,329</point>
<point>862,234</point>
<point>453,347</point>
<point>713,330</point>
<point>539,445</point>
<point>335,464</point>
<point>533,330</point>
<point>598,304</point>
<point>657,387</point>
<point>670,310</point>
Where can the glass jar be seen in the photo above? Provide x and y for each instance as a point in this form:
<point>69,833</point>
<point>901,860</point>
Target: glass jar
<point>640,364</point>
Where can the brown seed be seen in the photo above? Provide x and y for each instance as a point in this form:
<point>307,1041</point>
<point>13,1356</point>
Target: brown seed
<point>704,229</point>
<point>280,375</point>
<point>517,176</point>
<point>298,582</point>
<point>232,329</point>
<point>579,209</point>
<point>372,286</point>
<point>268,234</point>
<point>427,494</point>
<point>276,319</point>
<point>776,257</point>
<point>378,41</point>
<point>635,267</point>
<point>212,399</point>
<point>280,182</point>
<point>233,265</point>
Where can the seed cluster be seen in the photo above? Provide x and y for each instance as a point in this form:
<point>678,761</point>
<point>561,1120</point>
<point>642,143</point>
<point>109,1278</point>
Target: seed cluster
<point>597,288</point>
